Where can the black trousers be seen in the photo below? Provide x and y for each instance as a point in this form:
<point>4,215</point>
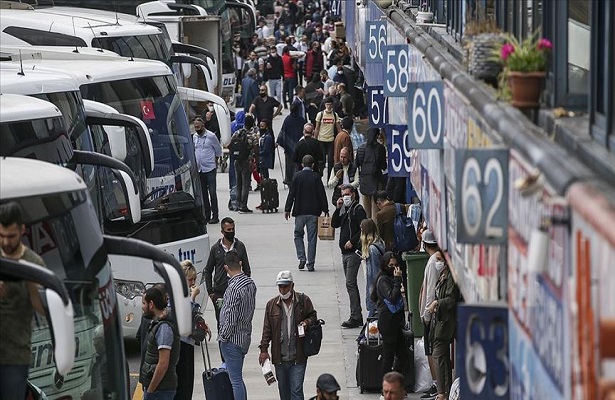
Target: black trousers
<point>185,372</point>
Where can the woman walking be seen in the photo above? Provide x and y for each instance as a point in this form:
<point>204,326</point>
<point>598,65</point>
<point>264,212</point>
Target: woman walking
<point>372,249</point>
<point>388,297</point>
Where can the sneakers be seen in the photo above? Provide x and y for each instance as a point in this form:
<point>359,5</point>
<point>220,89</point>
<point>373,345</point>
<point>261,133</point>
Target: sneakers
<point>214,221</point>
<point>310,267</point>
<point>430,393</point>
<point>301,264</point>
<point>352,323</point>
<point>245,211</point>
<point>259,207</point>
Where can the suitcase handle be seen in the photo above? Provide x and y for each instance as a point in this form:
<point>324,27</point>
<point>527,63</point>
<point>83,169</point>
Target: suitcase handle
<point>208,363</point>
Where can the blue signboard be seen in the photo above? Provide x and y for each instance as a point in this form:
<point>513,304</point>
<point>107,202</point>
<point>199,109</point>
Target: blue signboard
<point>376,36</point>
<point>397,70</point>
<point>377,107</point>
<point>426,115</point>
<point>400,156</point>
<point>481,177</point>
<point>482,352</point>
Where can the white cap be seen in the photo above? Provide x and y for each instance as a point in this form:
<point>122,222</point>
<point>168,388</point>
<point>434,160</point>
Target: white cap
<point>284,278</point>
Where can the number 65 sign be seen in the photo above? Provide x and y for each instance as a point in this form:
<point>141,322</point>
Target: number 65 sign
<point>481,190</point>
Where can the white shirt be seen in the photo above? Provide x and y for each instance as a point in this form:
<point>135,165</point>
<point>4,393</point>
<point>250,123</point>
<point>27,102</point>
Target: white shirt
<point>430,279</point>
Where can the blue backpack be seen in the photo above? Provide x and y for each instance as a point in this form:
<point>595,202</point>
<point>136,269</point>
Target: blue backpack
<point>403,231</point>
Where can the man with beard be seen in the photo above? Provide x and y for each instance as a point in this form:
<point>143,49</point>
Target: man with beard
<point>264,106</point>
<point>157,372</point>
<point>207,148</point>
<point>18,301</point>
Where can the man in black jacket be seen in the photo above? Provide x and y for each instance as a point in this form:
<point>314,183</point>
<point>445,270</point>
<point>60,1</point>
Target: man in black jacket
<point>307,193</point>
<point>348,216</point>
<point>309,145</point>
<point>214,273</point>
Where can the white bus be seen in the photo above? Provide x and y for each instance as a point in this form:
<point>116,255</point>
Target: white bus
<point>63,229</point>
<point>172,215</point>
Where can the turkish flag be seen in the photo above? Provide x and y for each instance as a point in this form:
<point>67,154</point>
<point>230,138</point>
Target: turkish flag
<point>147,109</point>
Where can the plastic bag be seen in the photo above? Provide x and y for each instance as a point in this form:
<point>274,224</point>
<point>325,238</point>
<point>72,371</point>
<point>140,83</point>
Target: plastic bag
<point>421,368</point>
<point>454,390</point>
<point>372,330</point>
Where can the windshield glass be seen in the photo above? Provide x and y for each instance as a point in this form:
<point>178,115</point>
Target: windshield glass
<point>63,231</point>
<point>227,43</point>
<point>43,139</point>
<point>155,101</point>
<point>152,47</point>
<point>241,20</point>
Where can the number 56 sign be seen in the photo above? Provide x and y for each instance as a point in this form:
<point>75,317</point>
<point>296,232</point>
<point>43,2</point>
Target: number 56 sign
<point>481,190</point>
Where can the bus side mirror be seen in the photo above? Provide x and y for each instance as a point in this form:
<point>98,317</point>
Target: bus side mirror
<point>180,304</point>
<point>127,199</point>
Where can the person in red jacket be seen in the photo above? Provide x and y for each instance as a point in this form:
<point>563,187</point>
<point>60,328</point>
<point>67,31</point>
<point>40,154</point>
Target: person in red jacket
<point>313,61</point>
<point>290,76</point>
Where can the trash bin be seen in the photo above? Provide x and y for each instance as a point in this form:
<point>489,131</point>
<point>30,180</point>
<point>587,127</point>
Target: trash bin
<point>415,266</point>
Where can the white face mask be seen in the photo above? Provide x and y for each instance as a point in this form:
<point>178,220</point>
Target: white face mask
<point>286,296</point>
<point>347,200</point>
<point>439,266</point>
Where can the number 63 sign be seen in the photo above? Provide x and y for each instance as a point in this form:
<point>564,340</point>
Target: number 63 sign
<point>481,190</point>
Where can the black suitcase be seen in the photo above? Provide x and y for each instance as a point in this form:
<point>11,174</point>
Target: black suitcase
<point>270,197</point>
<point>216,381</point>
<point>369,363</point>
<point>409,369</point>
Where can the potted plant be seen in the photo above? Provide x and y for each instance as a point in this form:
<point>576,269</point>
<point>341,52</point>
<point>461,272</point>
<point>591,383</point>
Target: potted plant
<point>424,16</point>
<point>525,63</point>
<point>481,37</point>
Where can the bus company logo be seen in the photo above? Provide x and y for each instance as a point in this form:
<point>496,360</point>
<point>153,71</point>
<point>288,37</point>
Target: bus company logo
<point>228,81</point>
<point>40,239</point>
<point>186,255</point>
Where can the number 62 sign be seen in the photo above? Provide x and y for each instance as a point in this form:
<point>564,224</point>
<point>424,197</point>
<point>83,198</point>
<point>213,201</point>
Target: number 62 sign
<point>481,190</point>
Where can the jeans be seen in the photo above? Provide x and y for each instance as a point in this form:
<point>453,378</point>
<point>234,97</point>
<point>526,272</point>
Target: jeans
<point>234,356</point>
<point>208,188</point>
<point>289,89</point>
<point>327,155</point>
<point>13,381</point>
<point>290,380</point>
<point>158,395</point>
<point>243,171</point>
<point>264,171</point>
<point>232,180</point>
<point>351,263</point>
<point>301,222</point>
<point>275,90</point>
<point>370,279</point>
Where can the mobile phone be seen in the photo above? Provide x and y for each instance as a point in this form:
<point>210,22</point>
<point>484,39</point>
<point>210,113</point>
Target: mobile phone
<point>301,330</point>
<point>358,252</point>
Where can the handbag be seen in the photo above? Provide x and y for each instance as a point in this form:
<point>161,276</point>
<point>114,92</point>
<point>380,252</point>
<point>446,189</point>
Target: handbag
<point>199,327</point>
<point>313,335</point>
<point>396,307</point>
<point>325,230</point>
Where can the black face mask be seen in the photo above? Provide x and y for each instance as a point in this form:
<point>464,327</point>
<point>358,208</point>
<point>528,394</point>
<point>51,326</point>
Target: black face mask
<point>230,236</point>
<point>263,94</point>
<point>262,130</point>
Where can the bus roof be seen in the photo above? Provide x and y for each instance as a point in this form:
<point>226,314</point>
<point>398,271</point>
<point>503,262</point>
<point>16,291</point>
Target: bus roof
<point>16,107</point>
<point>108,66</point>
<point>33,82</point>
<point>24,177</point>
<point>85,24</point>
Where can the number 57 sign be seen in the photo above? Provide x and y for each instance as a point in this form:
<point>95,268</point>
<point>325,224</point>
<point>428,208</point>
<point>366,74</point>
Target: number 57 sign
<point>481,177</point>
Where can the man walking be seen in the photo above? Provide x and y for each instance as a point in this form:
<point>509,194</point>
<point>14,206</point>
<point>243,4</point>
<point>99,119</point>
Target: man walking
<point>348,216</point>
<point>264,106</point>
<point>243,148</point>
<point>307,199</point>
<point>216,280</point>
<point>18,301</point>
<point>157,372</point>
<point>290,133</point>
<point>236,322</point>
<point>344,172</point>
<point>207,148</point>
<point>308,145</point>
<point>287,318</point>
<point>274,73</point>
<point>249,89</point>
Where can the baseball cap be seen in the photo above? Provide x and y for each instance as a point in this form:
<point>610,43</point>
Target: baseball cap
<point>327,383</point>
<point>428,237</point>
<point>284,278</point>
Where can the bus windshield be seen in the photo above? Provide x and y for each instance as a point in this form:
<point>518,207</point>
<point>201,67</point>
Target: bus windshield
<point>64,232</point>
<point>43,139</point>
<point>174,185</point>
<point>152,47</point>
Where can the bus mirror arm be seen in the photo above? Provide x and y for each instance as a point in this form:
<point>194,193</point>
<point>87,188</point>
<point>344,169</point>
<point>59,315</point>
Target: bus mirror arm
<point>180,305</point>
<point>57,305</point>
<point>192,49</point>
<point>102,160</point>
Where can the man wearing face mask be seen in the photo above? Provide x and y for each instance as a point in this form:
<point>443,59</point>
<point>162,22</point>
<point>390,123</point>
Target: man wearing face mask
<point>274,73</point>
<point>344,172</point>
<point>287,318</point>
<point>264,106</point>
<point>216,279</point>
<point>348,216</point>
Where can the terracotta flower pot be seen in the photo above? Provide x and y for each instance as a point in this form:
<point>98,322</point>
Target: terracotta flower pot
<point>525,88</point>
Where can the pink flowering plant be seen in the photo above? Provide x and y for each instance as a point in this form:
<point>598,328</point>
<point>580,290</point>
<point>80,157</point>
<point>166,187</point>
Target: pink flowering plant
<point>529,55</point>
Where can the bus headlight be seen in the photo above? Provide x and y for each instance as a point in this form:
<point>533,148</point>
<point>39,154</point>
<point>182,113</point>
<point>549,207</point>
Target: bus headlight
<point>129,289</point>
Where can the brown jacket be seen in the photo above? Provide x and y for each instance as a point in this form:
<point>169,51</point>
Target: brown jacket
<point>303,311</point>
<point>342,139</point>
<point>384,222</point>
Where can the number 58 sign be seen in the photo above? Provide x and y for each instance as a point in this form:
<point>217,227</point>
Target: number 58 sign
<point>396,70</point>
<point>481,190</point>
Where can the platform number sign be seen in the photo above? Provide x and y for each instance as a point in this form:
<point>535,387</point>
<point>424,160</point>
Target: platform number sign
<point>396,70</point>
<point>482,359</point>
<point>426,115</point>
<point>481,177</point>
<point>377,107</point>
<point>400,154</point>
<point>376,39</point>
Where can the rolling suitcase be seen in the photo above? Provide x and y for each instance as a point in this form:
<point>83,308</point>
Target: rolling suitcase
<point>270,197</point>
<point>409,369</point>
<point>216,381</point>
<point>369,363</point>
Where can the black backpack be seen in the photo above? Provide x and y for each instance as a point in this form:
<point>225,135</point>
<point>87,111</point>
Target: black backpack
<point>239,147</point>
<point>313,335</point>
<point>404,232</point>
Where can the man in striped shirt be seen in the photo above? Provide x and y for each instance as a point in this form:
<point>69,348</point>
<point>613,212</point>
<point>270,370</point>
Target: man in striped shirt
<point>236,322</point>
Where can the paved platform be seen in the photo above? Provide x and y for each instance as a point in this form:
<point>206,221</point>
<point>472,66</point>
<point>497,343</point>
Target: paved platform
<point>269,242</point>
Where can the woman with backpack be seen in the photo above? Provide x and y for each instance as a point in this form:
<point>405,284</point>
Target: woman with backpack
<point>372,249</point>
<point>389,299</point>
<point>443,323</point>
